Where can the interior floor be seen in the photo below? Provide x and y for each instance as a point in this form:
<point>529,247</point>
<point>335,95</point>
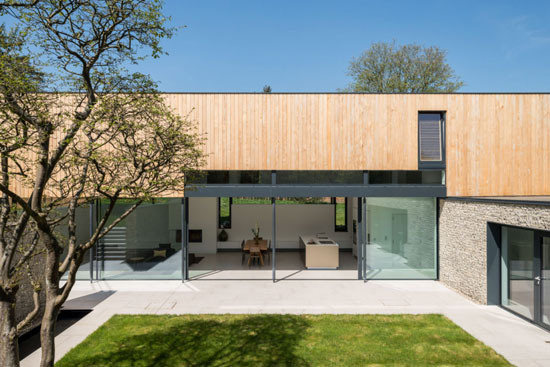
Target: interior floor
<point>289,265</point>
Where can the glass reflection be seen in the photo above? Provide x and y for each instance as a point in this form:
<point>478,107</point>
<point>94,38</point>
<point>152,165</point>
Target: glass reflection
<point>401,238</point>
<point>517,271</point>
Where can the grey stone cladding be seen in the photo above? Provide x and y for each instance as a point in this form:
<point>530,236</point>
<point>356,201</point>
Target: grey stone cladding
<point>463,239</point>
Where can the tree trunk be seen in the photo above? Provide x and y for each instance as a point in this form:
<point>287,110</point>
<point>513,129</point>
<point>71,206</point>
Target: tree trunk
<point>47,334</point>
<point>51,310</point>
<point>9,348</point>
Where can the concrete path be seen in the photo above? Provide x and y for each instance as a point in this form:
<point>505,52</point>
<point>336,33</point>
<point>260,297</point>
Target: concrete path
<point>522,343</point>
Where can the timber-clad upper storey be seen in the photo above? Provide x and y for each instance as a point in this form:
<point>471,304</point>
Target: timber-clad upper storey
<point>496,144</point>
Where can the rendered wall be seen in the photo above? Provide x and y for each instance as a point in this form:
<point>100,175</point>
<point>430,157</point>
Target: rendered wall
<point>463,239</point>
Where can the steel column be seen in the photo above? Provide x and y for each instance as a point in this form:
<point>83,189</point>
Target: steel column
<point>273,240</point>
<point>359,228</point>
<point>91,251</point>
<point>365,236</point>
<point>97,244</point>
<point>184,242</point>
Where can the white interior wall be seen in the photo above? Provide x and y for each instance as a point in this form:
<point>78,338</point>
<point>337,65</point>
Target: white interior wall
<point>203,214</point>
<point>293,220</point>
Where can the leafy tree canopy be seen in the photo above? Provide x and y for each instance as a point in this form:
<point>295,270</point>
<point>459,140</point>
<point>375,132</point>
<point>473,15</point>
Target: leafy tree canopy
<point>411,68</point>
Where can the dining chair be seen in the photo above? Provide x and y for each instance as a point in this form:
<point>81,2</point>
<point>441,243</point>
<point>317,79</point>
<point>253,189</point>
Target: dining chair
<point>255,254</point>
<point>243,252</point>
<point>268,251</point>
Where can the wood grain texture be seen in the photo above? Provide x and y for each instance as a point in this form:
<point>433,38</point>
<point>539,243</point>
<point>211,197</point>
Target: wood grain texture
<point>497,144</point>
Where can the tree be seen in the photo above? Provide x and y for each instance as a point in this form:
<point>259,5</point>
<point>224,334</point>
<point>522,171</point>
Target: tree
<point>388,68</point>
<point>19,81</point>
<point>267,89</point>
<point>113,137</point>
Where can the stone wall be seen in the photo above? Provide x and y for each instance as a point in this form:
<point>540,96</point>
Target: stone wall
<point>463,239</point>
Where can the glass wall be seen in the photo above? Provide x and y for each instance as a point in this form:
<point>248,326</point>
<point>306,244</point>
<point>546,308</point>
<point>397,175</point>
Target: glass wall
<point>436,177</point>
<point>319,177</point>
<point>146,244</point>
<point>545,281</point>
<point>401,238</point>
<point>517,270</point>
<point>82,218</point>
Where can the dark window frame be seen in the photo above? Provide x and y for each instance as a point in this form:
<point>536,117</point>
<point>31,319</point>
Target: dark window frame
<point>338,228</point>
<point>219,213</point>
<point>433,164</point>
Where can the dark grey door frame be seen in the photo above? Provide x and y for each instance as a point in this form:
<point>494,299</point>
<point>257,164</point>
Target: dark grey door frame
<point>494,258</point>
<point>539,279</point>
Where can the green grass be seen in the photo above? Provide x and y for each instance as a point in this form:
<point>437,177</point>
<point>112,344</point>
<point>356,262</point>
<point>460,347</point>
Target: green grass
<point>341,215</point>
<point>281,201</point>
<point>280,340</point>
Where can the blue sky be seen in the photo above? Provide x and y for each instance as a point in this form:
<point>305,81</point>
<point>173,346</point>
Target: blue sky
<point>306,45</point>
<point>300,46</point>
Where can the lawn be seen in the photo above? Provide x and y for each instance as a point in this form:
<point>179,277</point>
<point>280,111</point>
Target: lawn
<point>280,340</point>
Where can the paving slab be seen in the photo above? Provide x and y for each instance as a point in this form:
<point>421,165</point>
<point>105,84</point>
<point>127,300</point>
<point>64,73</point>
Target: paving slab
<point>522,343</point>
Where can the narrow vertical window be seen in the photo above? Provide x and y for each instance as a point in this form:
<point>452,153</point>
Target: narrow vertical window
<point>431,140</point>
<point>340,214</point>
<point>224,212</point>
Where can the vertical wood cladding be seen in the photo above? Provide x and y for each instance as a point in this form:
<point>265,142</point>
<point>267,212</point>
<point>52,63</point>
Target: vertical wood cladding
<point>497,144</point>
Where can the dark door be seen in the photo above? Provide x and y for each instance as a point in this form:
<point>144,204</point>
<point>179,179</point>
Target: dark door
<point>525,271</point>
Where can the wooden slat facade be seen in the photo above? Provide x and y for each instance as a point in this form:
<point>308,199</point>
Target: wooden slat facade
<point>497,144</point>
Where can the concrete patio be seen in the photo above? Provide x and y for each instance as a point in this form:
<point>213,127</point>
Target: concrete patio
<point>522,343</point>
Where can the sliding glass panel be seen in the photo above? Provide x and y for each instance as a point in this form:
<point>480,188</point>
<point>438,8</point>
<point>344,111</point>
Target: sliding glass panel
<point>517,271</point>
<point>406,177</point>
<point>82,218</point>
<point>146,244</point>
<point>401,238</point>
<point>545,281</point>
<point>218,177</point>
<point>319,177</point>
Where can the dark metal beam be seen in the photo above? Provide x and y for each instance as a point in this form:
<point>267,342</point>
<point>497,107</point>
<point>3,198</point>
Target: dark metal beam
<point>316,191</point>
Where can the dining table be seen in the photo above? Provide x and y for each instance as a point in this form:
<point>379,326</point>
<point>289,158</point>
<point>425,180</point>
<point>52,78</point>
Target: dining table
<point>262,244</point>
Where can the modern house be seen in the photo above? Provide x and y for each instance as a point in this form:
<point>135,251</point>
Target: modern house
<point>453,187</point>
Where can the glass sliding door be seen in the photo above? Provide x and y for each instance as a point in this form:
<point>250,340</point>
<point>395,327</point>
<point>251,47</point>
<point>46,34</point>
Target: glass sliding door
<point>517,271</point>
<point>83,220</point>
<point>545,280</point>
<point>146,244</point>
<point>525,273</point>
